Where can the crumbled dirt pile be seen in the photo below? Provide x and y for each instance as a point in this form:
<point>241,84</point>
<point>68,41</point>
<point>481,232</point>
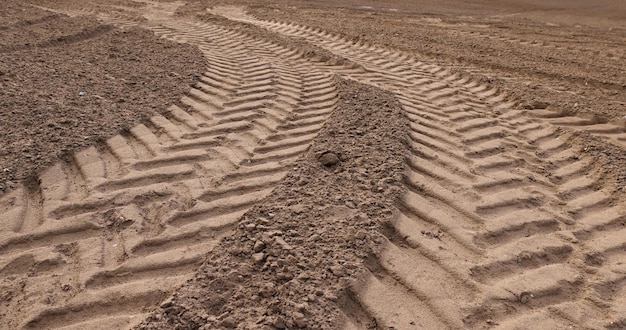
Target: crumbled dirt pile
<point>294,254</point>
<point>67,82</point>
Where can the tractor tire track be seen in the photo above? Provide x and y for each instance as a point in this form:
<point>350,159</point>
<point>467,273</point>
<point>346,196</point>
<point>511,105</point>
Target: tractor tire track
<point>397,66</point>
<point>503,223</point>
<point>112,232</point>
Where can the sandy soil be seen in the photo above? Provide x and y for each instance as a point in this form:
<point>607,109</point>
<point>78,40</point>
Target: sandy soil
<point>431,165</point>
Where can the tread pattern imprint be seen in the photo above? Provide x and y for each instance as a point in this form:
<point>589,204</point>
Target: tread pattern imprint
<point>504,223</point>
<point>100,240</point>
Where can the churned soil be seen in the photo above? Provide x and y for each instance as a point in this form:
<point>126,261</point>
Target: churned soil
<point>566,57</point>
<point>293,257</point>
<point>67,82</point>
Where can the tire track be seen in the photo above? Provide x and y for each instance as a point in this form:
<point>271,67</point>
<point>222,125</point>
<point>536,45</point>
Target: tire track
<point>503,223</point>
<point>554,44</point>
<point>121,225</point>
<point>395,67</point>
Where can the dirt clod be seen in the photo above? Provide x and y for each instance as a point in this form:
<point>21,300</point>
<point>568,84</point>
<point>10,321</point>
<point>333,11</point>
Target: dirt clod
<point>329,159</point>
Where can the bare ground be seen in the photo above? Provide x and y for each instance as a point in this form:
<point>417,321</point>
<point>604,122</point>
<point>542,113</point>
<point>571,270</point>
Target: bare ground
<point>431,165</point>
<point>48,59</point>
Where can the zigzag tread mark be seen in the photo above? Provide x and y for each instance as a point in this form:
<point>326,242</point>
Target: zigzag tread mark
<point>129,211</point>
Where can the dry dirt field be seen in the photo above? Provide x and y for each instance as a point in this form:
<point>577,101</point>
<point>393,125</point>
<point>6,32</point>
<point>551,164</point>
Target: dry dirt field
<point>289,164</point>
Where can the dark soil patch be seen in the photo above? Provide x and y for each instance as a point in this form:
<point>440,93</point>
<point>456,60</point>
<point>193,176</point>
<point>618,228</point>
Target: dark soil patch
<point>293,256</point>
<point>68,82</point>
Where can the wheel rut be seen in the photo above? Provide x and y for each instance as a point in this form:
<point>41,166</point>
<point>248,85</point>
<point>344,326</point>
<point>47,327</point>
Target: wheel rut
<point>501,207</point>
<point>503,222</point>
<point>118,227</point>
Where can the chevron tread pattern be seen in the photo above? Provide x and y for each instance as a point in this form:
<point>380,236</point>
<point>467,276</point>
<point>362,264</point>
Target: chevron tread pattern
<point>124,223</point>
<point>501,214</point>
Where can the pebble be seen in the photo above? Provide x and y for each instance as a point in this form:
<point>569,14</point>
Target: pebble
<point>300,320</point>
<point>282,243</point>
<point>275,233</point>
<point>337,271</point>
<point>259,246</point>
<point>258,257</point>
<point>279,322</point>
<point>167,303</point>
<point>229,322</point>
<point>328,159</point>
<point>262,221</point>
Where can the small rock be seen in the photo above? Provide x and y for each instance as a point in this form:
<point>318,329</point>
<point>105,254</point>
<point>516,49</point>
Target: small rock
<point>328,159</point>
<point>259,246</point>
<point>337,271</point>
<point>300,320</point>
<point>275,233</point>
<point>331,296</point>
<point>258,257</point>
<point>81,93</point>
<point>279,322</point>
<point>167,303</point>
<point>282,243</point>
<point>525,297</point>
<point>315,238</point>
<point>229,322</point>
<point>262,221</point>
<point>350,204</point>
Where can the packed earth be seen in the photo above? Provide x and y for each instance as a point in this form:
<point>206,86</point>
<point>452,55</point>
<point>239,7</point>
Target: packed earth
<point>289,164</point>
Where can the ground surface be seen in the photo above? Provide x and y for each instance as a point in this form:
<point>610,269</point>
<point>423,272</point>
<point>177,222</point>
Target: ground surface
<point>432,164</point>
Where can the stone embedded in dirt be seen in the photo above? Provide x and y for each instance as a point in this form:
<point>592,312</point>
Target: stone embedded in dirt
<point>279,322</point>
<point>259,246</point>
<point>525,297</point>
<point>337,271</point>
<point>329,159</point>
<point>283,244</point>
<point>300,320</point>
<point>258,257</point>
<point>229,322</point>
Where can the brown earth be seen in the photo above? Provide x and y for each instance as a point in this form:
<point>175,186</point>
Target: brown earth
<point>48,59</point>
<point>432,164</point>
